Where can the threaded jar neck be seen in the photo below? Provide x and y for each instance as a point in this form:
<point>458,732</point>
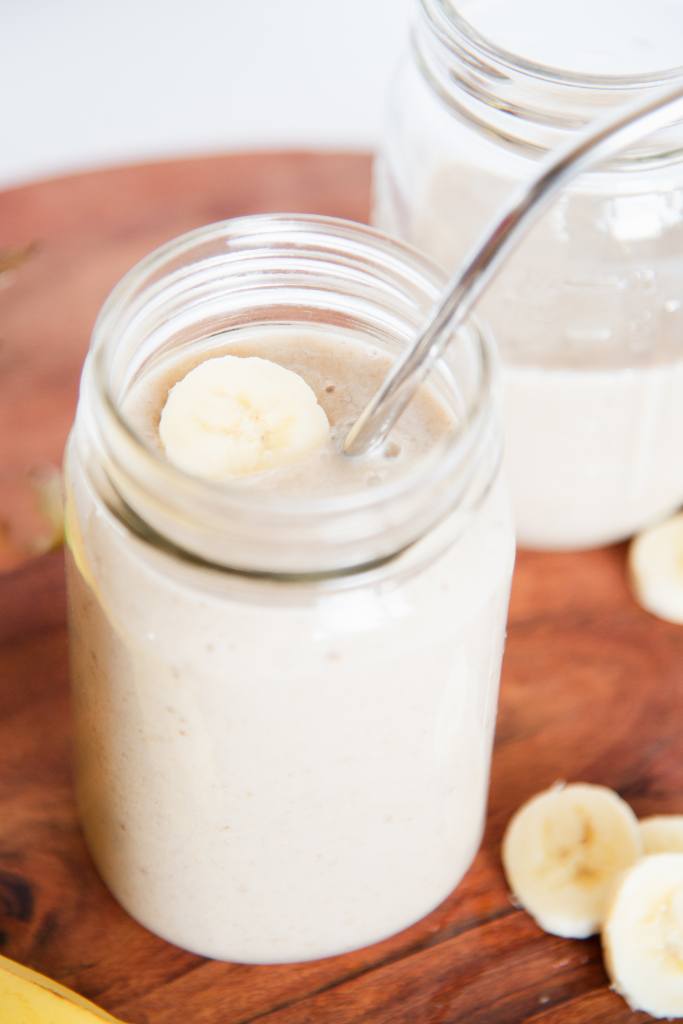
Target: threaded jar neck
<point>524,104</point>
<point>281,270</point>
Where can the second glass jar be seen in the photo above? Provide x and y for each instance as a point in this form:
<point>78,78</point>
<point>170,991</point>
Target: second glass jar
<point>588,312</point>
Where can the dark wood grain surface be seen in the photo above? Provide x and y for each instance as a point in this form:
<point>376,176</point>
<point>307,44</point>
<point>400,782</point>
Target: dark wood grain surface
<point>592,686</point>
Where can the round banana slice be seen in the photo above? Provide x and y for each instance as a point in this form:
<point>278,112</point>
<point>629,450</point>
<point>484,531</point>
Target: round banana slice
<point>642,936</point>
<point>663,833</point>
<point>235,415</point>
<point>656,569</point>
<point>562,851</point>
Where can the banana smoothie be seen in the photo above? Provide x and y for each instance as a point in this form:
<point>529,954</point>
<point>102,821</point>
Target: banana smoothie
<point>587,311</point>
<point>235,417</point>
<point>281,765</point>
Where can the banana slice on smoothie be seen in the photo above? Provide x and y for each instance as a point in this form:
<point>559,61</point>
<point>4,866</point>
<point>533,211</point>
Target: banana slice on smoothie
<point>643,936</point>
<point>662,833</point>
<point>563,850</point>
<point>235,415</point>
<point>656,568</point>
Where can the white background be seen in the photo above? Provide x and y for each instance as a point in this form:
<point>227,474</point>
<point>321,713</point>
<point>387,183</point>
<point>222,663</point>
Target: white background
<point>91,82</point>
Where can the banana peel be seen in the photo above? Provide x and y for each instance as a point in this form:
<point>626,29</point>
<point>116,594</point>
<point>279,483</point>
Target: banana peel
<point>27,997</point>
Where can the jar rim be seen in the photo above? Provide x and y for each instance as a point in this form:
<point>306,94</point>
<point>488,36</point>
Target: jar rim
<point>402,266</point>
<point>455,31</point>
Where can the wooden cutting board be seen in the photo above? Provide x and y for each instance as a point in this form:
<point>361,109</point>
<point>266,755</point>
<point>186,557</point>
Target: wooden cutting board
<point>592,686</point>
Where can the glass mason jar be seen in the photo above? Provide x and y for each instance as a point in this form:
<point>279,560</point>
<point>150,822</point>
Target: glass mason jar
<point>587,312</point>
<point>284,707</point>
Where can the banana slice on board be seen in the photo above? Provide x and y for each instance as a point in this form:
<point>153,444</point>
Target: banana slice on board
<point>562,851</point>
<point>655,561</point>
<point>27,997</point>
<point>235,415</point>
<point>662,833</point>
<point>642,937</point>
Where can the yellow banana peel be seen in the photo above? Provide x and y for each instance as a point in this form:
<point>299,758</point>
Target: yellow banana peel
<point>27,997</point>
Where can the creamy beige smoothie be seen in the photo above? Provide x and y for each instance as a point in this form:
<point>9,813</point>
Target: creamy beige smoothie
<point>593,360</point>
<point>343,374</point>
<point>593,454</point>
<point>274,772</point>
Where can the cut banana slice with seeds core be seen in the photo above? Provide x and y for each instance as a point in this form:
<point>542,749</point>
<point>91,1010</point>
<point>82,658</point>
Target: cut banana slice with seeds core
<point>643,936</point>
<point>662,833</point>
<point>656,569</point>
<point>562,852</point>
<point>235,415</point>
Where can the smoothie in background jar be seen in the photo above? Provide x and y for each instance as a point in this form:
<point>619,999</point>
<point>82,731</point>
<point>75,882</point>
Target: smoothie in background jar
<point>588,312</point>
